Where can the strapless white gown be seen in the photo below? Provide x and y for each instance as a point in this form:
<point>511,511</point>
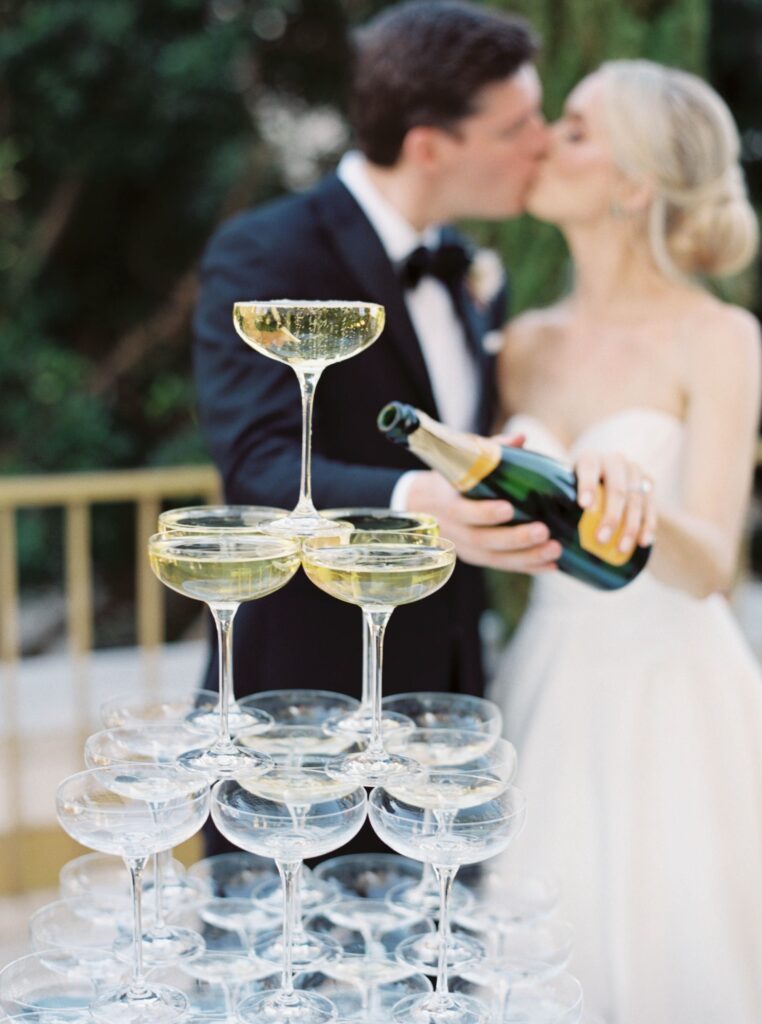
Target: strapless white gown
<point>637,716</point>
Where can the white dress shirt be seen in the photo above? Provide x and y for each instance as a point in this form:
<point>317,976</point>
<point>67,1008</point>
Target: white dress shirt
<point>449,362</point>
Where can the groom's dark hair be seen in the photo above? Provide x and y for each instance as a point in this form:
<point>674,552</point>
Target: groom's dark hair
<point>423,63</point>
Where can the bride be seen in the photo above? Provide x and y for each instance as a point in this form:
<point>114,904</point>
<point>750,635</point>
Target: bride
<point>638,714</point>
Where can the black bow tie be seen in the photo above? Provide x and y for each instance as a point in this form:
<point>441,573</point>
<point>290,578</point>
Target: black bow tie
<point>448,263</point>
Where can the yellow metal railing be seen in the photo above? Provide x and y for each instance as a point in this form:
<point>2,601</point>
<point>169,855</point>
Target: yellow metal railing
<point>75,494</point>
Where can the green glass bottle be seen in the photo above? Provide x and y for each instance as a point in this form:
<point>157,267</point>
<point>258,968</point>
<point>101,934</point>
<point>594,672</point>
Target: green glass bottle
<point>540,489</point>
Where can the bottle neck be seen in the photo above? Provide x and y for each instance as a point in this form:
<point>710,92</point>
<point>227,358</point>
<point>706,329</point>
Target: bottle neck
<point>464,459</point>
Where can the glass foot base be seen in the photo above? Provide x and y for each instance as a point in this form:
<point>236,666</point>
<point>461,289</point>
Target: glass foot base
<point>372,769</point>
<point>424,899</point>
<point>308,949</point>
<point>286,1008</point>
<point>360,723</point>
<point>158,1004</point>
<point>164,945</point>
<point>308,525</point>
<point>269,894</point>
<point>422,952</point>
<point>225,762</point>
<point>440,1009</point>
<point>240,720</point>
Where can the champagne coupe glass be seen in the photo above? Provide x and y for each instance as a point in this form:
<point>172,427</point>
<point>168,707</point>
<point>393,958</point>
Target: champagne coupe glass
<point>519,955</point>
<point>161,743</point>
<point>258,814</point>
<point>223,570</point>
<point>482,754</point>
<point>367,875</point>
<point>206,519</point>
<point>370,929</point>
<point>214,983</point>
<point>555,1001</point>
<point>475,817</point>
<point>360,723</point>
<point>58,980</point>
<point>75,922</point>
<point>134,811</point>
<point>231,875</point>
<point>308,336</point>
<point>447,712</point>
<point>467,750</point>
<point>198,709</point>
<point>212,519</point>
<point>300,738</point>
<point>364,990</point>
<point>378,571</point>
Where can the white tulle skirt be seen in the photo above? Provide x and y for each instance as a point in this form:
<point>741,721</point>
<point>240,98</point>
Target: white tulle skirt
<point>638,722</point>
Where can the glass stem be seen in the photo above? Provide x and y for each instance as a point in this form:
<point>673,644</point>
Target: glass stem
<point>307,383</point>
<point>223,615</point>
<point>366,680</point>
<point>158,903</point>
<point>288,870</point>
<point>445,877</point>
<point>376,621</point>
<point>136,866</point>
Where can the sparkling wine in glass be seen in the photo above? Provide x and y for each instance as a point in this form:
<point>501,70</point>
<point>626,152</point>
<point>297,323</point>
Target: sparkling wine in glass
<point>474,823</point>
<point>378,572</point>
<point>368,519</point>
<point>224,570</point>
<point>308,336</point>
<point>134,811</point>
<point>274,815</point>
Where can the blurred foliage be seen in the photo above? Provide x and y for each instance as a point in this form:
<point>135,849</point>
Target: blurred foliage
<point>129,129</point>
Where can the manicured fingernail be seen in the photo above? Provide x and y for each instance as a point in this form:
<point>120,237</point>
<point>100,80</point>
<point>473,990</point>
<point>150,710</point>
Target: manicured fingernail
<point>539,532</point>
<point>604,535</point>
<point>647,539</point>
<point>625,544</point>
<point>585,498</point>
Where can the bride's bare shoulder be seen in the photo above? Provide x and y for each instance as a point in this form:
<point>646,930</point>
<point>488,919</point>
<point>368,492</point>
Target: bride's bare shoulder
<point>714,326</point>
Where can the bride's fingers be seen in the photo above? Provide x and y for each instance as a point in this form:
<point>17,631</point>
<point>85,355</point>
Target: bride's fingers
<point>614,473</point>
<point>648,531</point>
<point>635,509</point>
<point>588,470</point>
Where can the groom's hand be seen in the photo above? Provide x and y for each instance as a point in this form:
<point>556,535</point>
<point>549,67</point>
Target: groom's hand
<point>478,528</point>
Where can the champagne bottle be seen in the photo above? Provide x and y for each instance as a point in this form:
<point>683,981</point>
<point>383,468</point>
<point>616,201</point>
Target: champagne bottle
<point>540,489</point>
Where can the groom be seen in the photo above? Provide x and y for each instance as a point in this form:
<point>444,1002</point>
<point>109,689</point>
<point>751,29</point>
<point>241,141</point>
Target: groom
<point>445,109</point>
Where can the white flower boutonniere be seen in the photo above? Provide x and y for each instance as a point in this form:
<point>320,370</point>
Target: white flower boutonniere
<point>485,276</point>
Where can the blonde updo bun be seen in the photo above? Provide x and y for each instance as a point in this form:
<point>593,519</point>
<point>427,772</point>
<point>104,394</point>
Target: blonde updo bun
<point>672,130</point>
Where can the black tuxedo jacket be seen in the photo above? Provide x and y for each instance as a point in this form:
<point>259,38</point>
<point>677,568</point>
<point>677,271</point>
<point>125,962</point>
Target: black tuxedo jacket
<point>320,245</point>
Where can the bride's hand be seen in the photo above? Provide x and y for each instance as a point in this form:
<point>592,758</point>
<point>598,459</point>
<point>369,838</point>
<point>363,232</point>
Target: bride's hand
<point>629,497</point>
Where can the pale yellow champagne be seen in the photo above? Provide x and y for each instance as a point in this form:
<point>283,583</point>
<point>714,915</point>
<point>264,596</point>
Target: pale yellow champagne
<point>382,575</point>
<point>448,791</point>
<point>218,572</point>
<point>308,334</point>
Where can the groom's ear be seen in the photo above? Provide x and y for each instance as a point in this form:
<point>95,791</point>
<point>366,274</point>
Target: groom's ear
<point>423,147</point>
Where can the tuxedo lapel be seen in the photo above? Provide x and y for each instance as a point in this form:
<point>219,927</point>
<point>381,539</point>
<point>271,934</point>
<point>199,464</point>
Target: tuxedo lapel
<point>366,261</point>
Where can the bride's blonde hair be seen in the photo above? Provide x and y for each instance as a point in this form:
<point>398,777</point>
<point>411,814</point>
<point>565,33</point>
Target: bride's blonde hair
<point>670,129</point>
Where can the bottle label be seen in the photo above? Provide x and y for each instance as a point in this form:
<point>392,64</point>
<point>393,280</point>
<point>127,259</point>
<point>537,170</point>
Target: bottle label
<point>586,528</point>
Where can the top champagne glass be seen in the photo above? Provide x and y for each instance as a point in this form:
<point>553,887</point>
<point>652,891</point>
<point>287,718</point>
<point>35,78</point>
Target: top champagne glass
<point>308,336</point>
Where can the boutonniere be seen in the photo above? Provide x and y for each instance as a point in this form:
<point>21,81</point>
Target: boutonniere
<point>485,276</point>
